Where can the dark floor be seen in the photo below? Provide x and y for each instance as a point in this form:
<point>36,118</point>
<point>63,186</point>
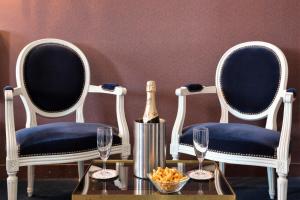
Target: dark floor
<point>245,188</point>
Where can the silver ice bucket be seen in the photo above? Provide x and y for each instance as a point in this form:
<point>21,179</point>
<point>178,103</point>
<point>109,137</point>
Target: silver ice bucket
<point>149,150</point>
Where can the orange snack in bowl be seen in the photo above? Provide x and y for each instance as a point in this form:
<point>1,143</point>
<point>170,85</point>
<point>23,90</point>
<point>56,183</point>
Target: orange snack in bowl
<point>167,178</point>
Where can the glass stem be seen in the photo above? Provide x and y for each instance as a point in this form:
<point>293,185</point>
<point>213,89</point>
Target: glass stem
<point>200,166</point>
<point>104,165</point>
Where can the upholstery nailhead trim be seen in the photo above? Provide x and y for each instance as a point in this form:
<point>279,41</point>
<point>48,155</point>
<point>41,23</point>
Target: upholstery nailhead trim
<point>59,153</point>
<point>277,86</point>
<point>238,154</point>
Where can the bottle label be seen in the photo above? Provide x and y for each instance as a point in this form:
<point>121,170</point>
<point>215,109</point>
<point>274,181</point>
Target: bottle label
<point>150,114</point>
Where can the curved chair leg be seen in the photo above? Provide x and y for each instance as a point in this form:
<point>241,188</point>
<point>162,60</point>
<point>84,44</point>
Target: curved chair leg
<point>175,156</point>
<point>180,166</point>
<point>222,167</point>
<point>12,185</point>
<point>124,157</point>
<point>30,179</point>
<point>282,184</point>
<point>80,169</point>
<point>126,148</point>
<point>271,182</point>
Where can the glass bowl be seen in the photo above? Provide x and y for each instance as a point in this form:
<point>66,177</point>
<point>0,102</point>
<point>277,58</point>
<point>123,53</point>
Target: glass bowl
<point>168,187</point>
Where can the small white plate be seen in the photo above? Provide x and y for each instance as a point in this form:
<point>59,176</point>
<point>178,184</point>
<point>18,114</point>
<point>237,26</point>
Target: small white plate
<point>94,168</point>
<point>99,175</point>
<point>205,175</point>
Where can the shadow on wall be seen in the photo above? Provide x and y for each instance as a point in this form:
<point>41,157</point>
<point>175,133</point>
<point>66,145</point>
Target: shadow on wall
<point>4,80</point>
<point>4,60</point>
<point>293,58</point>
<point>102,71</point>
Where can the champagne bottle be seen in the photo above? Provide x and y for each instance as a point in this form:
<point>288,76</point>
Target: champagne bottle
<point>151,114</point>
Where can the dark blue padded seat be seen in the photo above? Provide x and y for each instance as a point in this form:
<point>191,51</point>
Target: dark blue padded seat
<point>60,138</point>
<point>237,139</point>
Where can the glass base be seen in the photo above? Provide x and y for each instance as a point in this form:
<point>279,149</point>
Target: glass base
<point>93,169</point>
<point>104,174</point>
<point>200,174</point>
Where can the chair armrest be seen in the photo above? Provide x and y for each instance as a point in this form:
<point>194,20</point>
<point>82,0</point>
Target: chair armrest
<point>293,91</point>
<point>119,92</point>
<point>284,142</point>
<point>182,92</point>
<point>192,89</point>
<point>11,142</point>
<point>108,88</point>
<point>8,87</point>
<point>16,90</point>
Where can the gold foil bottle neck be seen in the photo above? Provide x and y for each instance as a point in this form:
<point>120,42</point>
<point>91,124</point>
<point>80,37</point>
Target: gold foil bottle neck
<point>151,86</point>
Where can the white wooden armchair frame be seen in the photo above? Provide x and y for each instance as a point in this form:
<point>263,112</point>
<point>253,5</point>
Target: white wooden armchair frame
<point>14,161</point>
<point>282,162</point>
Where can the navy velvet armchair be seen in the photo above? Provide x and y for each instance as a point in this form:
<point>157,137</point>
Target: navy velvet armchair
<point>53,80</point>
<point>251,81</point>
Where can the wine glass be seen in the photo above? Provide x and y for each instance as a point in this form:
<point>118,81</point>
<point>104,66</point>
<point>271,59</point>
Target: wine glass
<point>200,141</point>
<point>104,143</point>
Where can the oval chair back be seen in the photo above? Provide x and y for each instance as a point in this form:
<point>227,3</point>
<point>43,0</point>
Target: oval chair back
<point>250,79</point>
<point>54,77</point>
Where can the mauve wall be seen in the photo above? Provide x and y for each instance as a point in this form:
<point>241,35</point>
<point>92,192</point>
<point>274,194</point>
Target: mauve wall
<point>129,42</point>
